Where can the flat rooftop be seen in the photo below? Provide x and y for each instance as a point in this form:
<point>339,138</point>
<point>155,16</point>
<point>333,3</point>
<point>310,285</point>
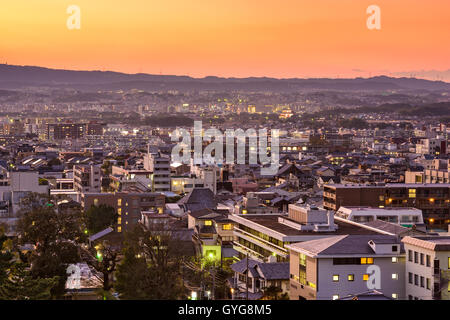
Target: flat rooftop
<point>270,221</point>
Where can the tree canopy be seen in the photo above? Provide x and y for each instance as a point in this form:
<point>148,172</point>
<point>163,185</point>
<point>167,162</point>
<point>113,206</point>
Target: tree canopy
<point>100,217</point>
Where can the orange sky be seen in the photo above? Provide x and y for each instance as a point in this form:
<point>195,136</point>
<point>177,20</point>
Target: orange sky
<point>282,38</point>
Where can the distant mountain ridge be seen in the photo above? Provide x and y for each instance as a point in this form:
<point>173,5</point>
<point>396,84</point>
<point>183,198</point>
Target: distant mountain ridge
<point>13,76</point>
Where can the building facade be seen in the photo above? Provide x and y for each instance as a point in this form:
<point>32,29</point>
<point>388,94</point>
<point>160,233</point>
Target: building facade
<point>427,272</point>
<point>432,199</point>
<point>339,266</point>
<point>127,205</point>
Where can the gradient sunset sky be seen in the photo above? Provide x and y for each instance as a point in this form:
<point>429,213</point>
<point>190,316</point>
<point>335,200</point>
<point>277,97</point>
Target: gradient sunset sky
<point>234,38</point>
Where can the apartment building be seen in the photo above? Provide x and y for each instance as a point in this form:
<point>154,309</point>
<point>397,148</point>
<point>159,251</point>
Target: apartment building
<point>432,199</point>
<point>61,131</point>
<point>427,270</point>
<point>437,173</point>
<point>87,178</point>
<point>183,184</point>
<point>127,205</point>
<point>338,266</point>
<point>122,179</point>
<point>433,146</point>
<point>14,186</point>
<point>207,174</point>
<point>159,165</point>
<point>403,216</point>
<point>266,235</point>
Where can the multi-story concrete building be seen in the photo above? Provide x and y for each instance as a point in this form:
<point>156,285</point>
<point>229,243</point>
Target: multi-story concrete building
<point>127,205</point>
<point>404,216</point>
<point>264,235</point>
<point>61,131</point>
<point>432,199</point>
<point>338,266</point>
<point>427,271</point>
<point>87,178</point>
<point>437,173</point>
<point>159,165</point>
<point>14,186</point>
<point>433,146</point>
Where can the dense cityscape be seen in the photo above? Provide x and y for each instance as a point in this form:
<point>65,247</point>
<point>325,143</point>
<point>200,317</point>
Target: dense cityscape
<point>94,207</point>
<point>208,159</point>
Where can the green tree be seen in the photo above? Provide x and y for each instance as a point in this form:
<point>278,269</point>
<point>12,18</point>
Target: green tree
<point>131,276</point>
<point>152,266</point>
<point>21,285</point>
<point>5,255</point>
<point>56,235</point>
<point>100,217</point>
<point>103,257</point>
<point>16,281</point>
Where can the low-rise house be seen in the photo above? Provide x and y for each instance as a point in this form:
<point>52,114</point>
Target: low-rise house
<point>254,278</point>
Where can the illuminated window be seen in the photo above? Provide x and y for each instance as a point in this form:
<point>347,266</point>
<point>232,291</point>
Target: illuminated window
<point>226,226</point>
<point>96,202</point>
<point>394,296</point>
<point>119,229</point>
<point>394,276</point>
<point>412,193</point>
<point>208,223</point>
<point>351,277</point>
<point>366,260</point>
<point>365,277</point>
<point>119,211</point>
<point>335,296</point>
<point>119,202</point>
<point>119,220</point>
<point>244,211</point>
<point>336,278</point>
<point>394,259</point>
<point>448,262</point>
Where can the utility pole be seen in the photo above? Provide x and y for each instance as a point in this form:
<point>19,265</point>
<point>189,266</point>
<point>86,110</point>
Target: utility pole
<point>246,280</point>
<point>213,293</point>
